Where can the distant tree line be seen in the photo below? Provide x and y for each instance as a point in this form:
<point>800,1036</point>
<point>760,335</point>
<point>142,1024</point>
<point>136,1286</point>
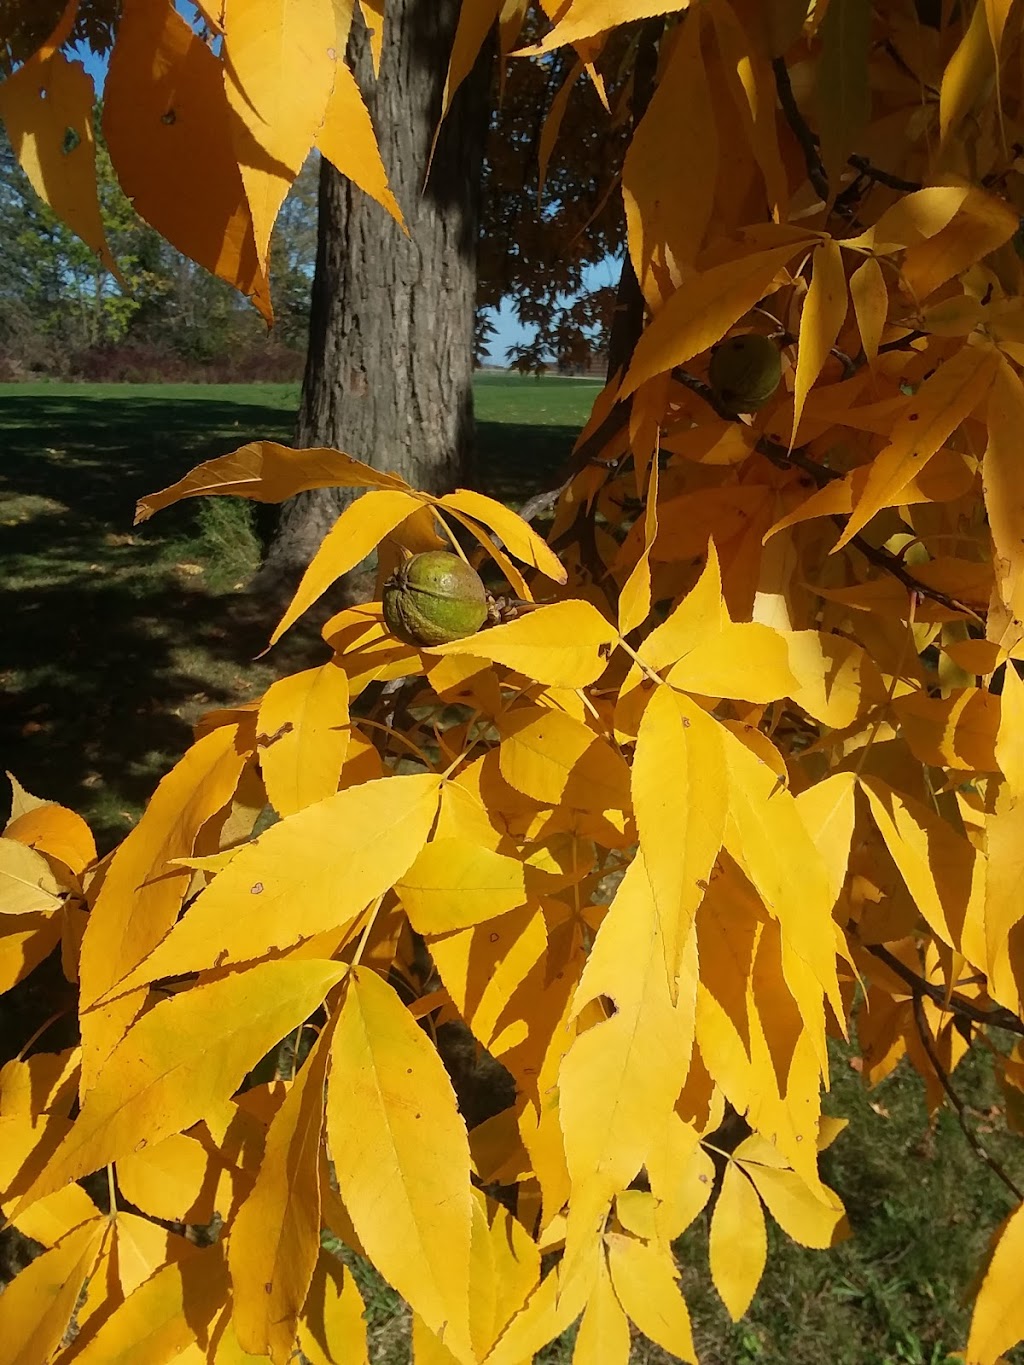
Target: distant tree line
<point>63,315</point>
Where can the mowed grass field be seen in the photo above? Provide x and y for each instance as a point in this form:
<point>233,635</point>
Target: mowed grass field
<point>113,640</point>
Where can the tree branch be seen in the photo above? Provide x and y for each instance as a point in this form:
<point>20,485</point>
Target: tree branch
<point>928,1043</point>
<point>997,1017</point>
<point>808,142</point>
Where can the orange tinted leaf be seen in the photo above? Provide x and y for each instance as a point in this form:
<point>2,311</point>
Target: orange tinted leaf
<point>401,1155</point>
<point>702,310</point>
<point>667,215</point>
<point>824,312</point>
<point>303,720</point>
<point>57,831</point>
<point>188,1053</point>
<point>166,122</point>
<point>870,304</point>
<point>738,1247</point>
<point>1004,503</point>
<point>346,138</point>
<point>275,1235</point>
<point>47,108</point>
<point>565,644</point>
<point>945,399</point>
<point>279,64</point>
<point>266,472</point>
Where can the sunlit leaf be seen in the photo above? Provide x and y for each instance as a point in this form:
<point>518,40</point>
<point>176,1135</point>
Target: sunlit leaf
<point>304,735</point>
<point>738,1246</point>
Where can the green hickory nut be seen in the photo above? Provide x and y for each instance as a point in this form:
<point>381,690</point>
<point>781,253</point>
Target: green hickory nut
<point>745,371</point>
<point>434,598</point>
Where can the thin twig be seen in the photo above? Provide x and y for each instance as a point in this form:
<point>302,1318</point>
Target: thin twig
<point>808,142</point>
<point>928,1043</point>
<point>997,1017</point>
<point>894,182</point>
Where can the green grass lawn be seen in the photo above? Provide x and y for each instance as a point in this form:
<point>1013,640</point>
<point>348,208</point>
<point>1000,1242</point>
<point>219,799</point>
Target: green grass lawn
<point>113,640</point>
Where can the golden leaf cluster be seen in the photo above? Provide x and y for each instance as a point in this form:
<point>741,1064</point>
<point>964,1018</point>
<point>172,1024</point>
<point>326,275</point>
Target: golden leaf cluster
<point>741,764</point>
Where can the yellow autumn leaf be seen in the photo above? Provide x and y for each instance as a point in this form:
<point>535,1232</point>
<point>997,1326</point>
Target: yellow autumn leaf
<point>47,107</point>
<point>186,1054</point>
<point>941,869</point>
<point>401,1155</point>
<point>955,731</point>
<point>968,73</point>
<point>682,1177</point>
<point>738,1245</point>
<point>356,534</point>
<point>646,1282</point>
<point>870,305</point>
<point>585,18</point>
<point>798,1210</point>
<point>558,760</point>
<point>745,660</point>
<point>166,1178</point>
<point>55,1216</point>
<point>141,892</point>
<point>703,309</point>
<point>620,1078</point>
<point>332,1327</point>
<point>36,1307</point>
<point>824,313</point>
<point>27,885</point>
<point>913,218</point>
<point>346,138</point>
<point>828,812</point>
<point>304,734</point>
<point>351,848</point>
<point>264,471</point>
<point>564,644</point>
<point>454,883</point>
<point>603,1336</point>
<point>279,64</point>
<point>518,537</point>
<point>680,798</point>
<point>141,1248</point>
<point>944,400</point>
<point>836,678</point>
<point>635,598</point>
<point>997,1323</point>
<point>1004,503</point>
<point>275,1235</point>
<point>666,215</point>
<point>985,221</point>
<point>55,830</point>
<point>164,1315</point>
<point>166,123</point>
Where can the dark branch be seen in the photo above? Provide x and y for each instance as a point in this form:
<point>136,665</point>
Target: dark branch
<point>894,182</point>
<point>928,1043</point>
<point>997,1017</point>
<point>808,142</point>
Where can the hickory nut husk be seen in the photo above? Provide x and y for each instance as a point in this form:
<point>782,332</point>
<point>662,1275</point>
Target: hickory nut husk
<point>434,598</point>
<point>745,371</point>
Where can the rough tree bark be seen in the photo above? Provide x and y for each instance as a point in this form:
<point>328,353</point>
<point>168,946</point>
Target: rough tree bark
<point>389,371</point>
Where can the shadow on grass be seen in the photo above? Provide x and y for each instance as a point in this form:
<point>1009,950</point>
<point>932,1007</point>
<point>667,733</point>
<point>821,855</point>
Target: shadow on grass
<point>111,640</point>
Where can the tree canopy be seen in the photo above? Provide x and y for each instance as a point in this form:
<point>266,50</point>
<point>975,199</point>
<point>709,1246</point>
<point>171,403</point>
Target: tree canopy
<point>732,770</point>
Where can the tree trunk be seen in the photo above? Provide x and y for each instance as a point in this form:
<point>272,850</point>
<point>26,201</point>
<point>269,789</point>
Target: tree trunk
<point>389,371</point>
